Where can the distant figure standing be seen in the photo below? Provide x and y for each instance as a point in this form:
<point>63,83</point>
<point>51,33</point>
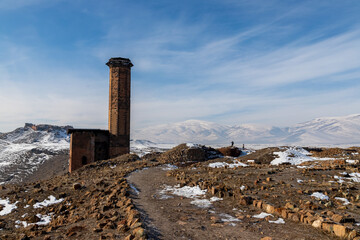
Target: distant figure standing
<point>243,146</point>
<point>232,143</point>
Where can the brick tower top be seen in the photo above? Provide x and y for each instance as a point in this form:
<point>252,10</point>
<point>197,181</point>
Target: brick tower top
<point>119,62</point>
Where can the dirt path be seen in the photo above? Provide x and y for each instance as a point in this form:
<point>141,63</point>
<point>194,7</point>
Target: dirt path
<point>177,218</point>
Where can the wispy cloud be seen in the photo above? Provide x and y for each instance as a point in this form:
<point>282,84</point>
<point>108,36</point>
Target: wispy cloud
<point>233,61</point>
<point>260,80</point>
<point>296,63</point>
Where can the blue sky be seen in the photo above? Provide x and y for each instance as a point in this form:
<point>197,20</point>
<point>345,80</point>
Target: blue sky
<point>273,62</point>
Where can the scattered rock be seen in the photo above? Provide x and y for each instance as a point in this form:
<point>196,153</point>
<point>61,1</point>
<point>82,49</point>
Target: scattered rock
<point>77,186</point>
<point>340,230</point>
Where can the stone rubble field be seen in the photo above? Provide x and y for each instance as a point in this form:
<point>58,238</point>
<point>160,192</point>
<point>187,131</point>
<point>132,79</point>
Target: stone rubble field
<point>194,192</point>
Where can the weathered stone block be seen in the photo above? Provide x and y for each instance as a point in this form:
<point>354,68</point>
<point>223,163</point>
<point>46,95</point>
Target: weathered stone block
<point>340,230</point>
<point>270,208</point>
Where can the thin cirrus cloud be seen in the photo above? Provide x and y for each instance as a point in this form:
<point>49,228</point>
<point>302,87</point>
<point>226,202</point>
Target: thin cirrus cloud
<point>301,63</point>
<point>264,77</point>
<point>228,61</point>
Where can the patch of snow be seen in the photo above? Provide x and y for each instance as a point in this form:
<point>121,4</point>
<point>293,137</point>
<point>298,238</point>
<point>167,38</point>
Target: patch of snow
<point>189,192</point>
<point>167,167</point>
<point>242,188</point>
<point>292,155</point>
<point>8,207</point>
<point>303,166</point>
<point>134,188</point>
<point>295,156</point>
<point>262,215</point>
<point>202,203</point>
<point>52,200</point>
<point>214,199</point>
<point>340,179</point>
<point>44,219</point>
<point>299,180</point>
<point>251,161</point>
<point>229,165</point>
<point>344,200</point>
<point>279,221</point>
<point>355,177</point>
<point>193,145</point>
<point>163,197</point>
<point>323,159</point>
<point>320,196</point>
<point>228,218</point>
<point>186,191</point>
<point>239,210</point>
<point>18,222</point>
<point>352,161</point>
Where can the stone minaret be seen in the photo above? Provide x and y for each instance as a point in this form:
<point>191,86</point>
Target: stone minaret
<point>119,105</point>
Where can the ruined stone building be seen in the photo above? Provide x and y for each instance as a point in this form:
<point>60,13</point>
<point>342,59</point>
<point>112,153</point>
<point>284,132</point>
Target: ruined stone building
<point>90,145</point>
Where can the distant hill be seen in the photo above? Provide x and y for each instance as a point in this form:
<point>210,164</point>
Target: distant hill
<point>320,131</point>
<point>39,151</point>
<point>23,150</point>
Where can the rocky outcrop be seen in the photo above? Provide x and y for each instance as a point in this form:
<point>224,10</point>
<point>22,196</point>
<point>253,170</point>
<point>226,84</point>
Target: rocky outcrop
<point>230,151</point>
<point>189,153</point>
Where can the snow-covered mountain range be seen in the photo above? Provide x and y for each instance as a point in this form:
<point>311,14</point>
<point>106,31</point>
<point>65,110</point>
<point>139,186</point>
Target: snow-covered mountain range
<point>320,131</point>
<point>23,150</point>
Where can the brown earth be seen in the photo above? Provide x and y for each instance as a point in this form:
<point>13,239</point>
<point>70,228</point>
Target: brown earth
<point>100,200</point>
<point>95,204</point>
<point>177,218</point>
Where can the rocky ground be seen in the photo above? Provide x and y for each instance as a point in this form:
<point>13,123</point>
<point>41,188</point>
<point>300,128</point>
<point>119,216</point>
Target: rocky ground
<point>91,203</point>
<point>191,192</point>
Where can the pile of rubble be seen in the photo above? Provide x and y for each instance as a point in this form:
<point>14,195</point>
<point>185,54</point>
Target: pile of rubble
<point>230,151</point>
<point>189,153</point>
